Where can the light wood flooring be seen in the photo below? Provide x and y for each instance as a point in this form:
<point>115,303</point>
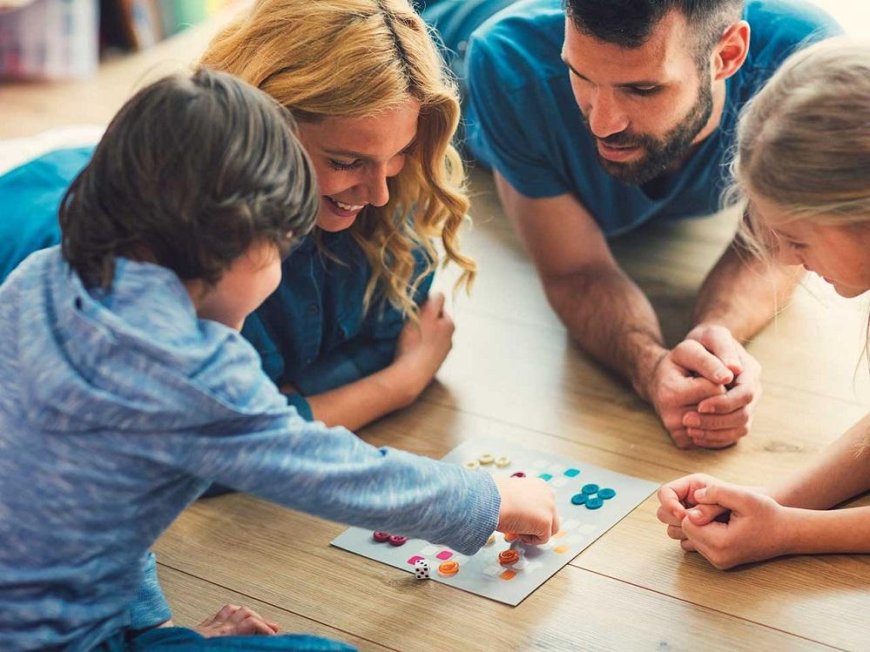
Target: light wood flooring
<point>514,375</point>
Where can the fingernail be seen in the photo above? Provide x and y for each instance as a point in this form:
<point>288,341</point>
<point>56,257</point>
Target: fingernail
<point>705,409</point>
<point>692,421</point>
<point>701,493</point>
<point>695,513</point>
<point>722,377</point>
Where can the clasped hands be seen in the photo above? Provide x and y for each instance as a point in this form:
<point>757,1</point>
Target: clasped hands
<point>705,388</point>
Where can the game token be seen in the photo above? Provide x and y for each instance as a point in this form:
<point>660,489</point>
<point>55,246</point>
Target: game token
<point>502,462</point>
<point>397,540</point>
<point>578,499</point>
<point>594,502</point>
<point>508,557</point>
<point>486,458</point>
<point>472,464</point>
<point>379,536</point>
<point>510,536</point>
<point>590,488</point>
<point>448,568</point>
<point>518,474</point>
<point>606,493</point>
<point>491,539</point>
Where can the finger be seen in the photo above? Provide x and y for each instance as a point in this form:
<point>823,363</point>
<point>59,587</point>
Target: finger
<point>244,613</point>
<point>671,509</point>
<point>739,396</point>
<point>557,523</point>
<point>688,546</point>
<point>434,304</point>
<point>736,419</point>
<point>704,514</point>
<point>709,438</point>
<point>692,355</point>
<point>676,532</point>
<point>721,343</point>
<point>681,438</point>
<point>253,626</point>
<point>726,495</point>
<point>716,438</point>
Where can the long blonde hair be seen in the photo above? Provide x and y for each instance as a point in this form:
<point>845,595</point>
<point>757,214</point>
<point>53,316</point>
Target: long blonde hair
<point>803,142</point>
<point>357,58</point>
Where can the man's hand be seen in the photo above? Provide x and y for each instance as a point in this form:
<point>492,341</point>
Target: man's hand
<point>724,418</point>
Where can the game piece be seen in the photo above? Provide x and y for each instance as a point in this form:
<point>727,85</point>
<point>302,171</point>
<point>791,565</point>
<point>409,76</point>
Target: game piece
<point>594,502</point>
<point>590,488</point>
<point>518,474</point>
<point>483,573</point>
<point>508,557</point>
<point>486,458</point>
<point>472,464</point>
<point>396,540</point>
<point>448,568</point>
<point>578,499</point>
<point>421,570</point>
<point>380,537</point>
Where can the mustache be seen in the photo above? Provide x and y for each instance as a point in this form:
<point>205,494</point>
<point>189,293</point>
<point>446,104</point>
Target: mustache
<point>622,139</point>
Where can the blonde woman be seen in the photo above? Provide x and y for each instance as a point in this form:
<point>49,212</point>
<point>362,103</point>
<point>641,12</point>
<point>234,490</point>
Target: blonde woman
<point>350,335</point>
<point>803,167</point>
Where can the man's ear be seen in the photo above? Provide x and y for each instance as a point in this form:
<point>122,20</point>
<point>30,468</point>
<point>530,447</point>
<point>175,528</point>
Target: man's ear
<point>731,50</point>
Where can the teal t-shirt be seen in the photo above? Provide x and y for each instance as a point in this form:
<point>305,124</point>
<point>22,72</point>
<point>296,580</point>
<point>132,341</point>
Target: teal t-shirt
<point>523,121</point>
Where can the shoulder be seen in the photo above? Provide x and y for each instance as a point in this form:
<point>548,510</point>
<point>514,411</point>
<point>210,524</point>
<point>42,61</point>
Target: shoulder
<point>519,45</point>
<point>779,27</point>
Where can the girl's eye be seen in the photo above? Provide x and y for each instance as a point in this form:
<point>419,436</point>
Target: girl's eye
<point>340,165</point>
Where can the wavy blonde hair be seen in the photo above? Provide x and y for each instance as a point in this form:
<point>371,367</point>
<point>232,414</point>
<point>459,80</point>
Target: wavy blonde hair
<point>357,58</point>
<point>803,142</point>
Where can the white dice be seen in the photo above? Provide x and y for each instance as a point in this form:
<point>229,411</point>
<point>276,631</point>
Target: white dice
<point>421,569</point>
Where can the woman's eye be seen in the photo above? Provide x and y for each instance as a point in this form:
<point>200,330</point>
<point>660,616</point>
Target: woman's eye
<point>341,165</point>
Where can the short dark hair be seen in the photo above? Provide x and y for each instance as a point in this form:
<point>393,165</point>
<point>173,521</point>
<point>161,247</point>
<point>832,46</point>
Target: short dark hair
<point>629,23</point>
<point>189,174</point>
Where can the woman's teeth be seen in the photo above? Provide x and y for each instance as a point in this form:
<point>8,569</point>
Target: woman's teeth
<point>347,207</point>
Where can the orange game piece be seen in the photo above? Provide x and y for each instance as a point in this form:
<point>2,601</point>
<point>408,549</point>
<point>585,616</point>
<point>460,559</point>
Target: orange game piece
<point>508,575</point>
<point>510,536</point>
<point>449,568</point>
<point>508,557</point>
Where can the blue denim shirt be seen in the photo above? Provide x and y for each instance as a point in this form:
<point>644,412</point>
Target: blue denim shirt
<point>117,409</point>
<point>311,332</point>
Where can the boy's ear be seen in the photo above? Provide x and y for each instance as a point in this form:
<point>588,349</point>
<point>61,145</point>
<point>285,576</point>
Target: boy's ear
<point>732,49</point>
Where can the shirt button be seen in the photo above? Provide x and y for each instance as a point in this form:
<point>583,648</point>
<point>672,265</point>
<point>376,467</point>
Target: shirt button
<point>312,309</point>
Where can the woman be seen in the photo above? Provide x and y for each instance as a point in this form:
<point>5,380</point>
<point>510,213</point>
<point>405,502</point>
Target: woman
<point>803,165</point>
<point>343,336</point>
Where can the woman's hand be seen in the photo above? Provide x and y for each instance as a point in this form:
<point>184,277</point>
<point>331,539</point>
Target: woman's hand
<point>423,346</point>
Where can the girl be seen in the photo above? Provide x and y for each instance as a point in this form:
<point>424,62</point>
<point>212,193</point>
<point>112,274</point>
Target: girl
<point>803,166</point>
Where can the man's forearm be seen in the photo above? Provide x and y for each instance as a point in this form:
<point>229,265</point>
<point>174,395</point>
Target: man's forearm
<point>743,293</point>
<point>612,320</point>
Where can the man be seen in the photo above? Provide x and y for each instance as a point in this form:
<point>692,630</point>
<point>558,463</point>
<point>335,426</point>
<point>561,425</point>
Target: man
<point>598,117</point>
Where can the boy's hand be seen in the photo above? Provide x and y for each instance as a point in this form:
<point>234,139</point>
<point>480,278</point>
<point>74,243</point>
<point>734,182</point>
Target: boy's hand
<point>757,529</point>
<point>233,620</point>
<point>528,509</point>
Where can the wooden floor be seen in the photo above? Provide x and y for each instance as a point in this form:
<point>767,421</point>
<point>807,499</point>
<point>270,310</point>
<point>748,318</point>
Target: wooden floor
<point>514,375</point>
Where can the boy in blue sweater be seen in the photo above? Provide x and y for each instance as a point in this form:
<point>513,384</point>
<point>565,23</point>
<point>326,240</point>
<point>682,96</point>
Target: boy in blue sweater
<point>126,389</point>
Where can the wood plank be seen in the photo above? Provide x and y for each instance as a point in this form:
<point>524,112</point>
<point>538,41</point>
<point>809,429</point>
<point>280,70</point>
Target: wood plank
<point>577,609</point>
<point>193,600</point>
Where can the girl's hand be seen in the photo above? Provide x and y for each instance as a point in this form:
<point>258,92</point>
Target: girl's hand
<point>676,497</point>
<point>758,527</point>
<point>423,346</point>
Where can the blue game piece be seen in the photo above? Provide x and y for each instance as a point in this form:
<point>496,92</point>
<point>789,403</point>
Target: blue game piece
<point>546,477</point>
<point>578,499</point>
<point>572,473</point>
<point>589,488</point>
<point>606,493</point>
<point>594,502</point>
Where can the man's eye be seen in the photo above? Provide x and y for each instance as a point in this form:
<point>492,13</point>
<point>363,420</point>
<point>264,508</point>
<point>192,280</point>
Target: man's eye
<point>644,91</point>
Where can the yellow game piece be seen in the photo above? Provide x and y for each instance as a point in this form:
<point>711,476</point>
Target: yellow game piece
<point>472,464</point>
<point>502,462</point>
<point>486,458</point>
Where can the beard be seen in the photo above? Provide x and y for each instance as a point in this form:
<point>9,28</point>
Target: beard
<point>661,153</point>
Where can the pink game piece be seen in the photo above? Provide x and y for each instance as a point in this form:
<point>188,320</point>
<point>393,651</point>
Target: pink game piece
<point>380,537</point>
<point>397,540</point>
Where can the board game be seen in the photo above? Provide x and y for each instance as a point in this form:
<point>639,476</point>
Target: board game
<point>590,501</point>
